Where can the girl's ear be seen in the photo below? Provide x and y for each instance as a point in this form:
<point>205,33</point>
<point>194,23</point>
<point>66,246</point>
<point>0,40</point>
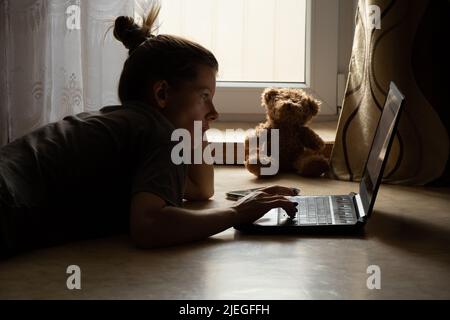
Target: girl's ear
<point>160,93</point>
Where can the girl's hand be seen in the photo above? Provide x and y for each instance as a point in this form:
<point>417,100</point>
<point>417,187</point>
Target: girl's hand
<point>282,191</point>
<point>255,205</point>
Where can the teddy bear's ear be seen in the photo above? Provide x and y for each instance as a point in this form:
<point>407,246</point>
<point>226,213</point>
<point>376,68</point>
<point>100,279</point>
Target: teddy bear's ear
<point>313,105</point>
<point>269,95</point>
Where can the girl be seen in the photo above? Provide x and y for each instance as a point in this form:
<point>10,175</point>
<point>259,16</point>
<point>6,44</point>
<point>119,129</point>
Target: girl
<point>98,173</point>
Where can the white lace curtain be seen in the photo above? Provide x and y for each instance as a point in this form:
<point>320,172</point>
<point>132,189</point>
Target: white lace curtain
<point>50,69</point>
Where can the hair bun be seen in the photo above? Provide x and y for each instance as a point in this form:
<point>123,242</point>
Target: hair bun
<point>129,33</point>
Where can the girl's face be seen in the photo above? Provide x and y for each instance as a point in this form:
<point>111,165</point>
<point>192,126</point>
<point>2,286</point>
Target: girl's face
<point>192,101</point>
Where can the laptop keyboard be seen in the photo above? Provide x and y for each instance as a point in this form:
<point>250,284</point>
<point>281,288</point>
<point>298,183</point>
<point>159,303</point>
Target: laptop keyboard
<point>314,211</point>
<point>345,212</point>
<point>319,210</point>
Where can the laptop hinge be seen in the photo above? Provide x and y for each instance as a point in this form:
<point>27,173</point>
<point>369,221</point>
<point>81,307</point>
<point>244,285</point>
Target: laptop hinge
<point>358,205</point>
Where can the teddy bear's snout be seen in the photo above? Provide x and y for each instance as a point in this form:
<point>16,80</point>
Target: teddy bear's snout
<point>288,107</point>
<point>291,109</point>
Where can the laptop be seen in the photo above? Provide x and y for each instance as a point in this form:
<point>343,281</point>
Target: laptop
<point>341,212</point>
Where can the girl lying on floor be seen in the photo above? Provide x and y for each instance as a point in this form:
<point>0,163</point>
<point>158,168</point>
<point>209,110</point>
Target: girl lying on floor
<point>98,173</point>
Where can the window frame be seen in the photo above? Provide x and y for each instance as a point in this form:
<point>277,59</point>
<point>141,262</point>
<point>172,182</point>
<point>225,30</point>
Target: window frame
<point>240,101</point>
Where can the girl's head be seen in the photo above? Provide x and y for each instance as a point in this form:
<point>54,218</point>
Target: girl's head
<point>173,74</point>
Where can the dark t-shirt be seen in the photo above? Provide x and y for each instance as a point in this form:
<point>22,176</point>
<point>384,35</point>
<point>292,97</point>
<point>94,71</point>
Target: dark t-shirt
<point>75,178</point>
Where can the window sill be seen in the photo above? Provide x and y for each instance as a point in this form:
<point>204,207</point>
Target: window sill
<point>325,129</point>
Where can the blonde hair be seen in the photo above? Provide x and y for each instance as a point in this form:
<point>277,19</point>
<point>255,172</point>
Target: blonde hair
<point>152,58</point>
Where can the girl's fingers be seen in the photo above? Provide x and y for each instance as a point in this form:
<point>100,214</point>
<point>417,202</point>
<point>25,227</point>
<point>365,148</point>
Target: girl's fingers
<point>288,206</point>
<point>272,197</point>
<point>279,190</point>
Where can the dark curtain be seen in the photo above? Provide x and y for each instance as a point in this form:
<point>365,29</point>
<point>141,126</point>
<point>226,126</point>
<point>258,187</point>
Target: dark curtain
<point>405,50</point>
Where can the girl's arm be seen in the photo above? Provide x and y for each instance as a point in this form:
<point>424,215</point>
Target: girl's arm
<point>154,224</point>
<point>200,180</point>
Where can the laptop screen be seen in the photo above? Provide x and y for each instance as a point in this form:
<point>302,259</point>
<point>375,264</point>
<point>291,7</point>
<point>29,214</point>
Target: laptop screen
<point>379,152</point>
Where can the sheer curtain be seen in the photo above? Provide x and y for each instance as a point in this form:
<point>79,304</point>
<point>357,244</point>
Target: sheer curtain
<point>56,59</point>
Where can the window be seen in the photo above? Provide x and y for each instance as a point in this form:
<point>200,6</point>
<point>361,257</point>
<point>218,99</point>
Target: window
<point>245,35</point>
<point>259,44</point>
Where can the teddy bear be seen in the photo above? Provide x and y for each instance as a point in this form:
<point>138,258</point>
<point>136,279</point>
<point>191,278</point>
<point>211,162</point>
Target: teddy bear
<point>300,148</point>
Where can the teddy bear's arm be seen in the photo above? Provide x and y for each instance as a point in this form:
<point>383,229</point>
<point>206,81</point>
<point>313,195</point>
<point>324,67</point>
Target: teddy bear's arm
<point>310,139</point>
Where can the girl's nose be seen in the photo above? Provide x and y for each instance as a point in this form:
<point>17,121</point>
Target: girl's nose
<point>213,115</point>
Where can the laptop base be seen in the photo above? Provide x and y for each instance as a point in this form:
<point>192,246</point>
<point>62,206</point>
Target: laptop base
<point>357,228</point>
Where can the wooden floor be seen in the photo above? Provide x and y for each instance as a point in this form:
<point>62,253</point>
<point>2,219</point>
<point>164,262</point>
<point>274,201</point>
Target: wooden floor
<point>408,238</point>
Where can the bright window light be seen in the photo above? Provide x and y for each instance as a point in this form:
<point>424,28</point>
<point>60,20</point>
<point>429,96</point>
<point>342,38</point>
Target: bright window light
<point>253,40</point>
